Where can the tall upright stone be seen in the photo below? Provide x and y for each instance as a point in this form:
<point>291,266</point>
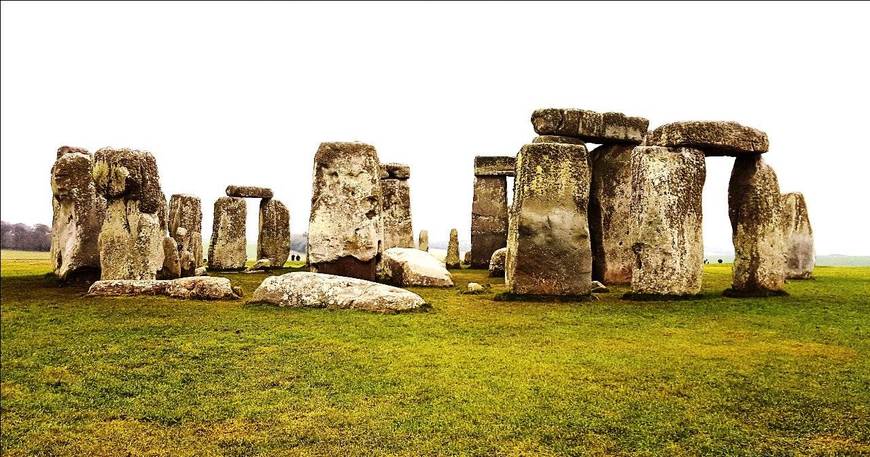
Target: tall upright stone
<point>185,226</point>
<point>131,237</point>
<point>548,248</point>
<point>452,259</point>
<point>755,210</point>
<point>666,221</point>
<point>800,252</point>
<point>489,209</point>
<point>228,247</point>
<point>610,213</point>
<point>273,240</point>
<point>78,213</point>
<point>398,228</point>
<point>345,228</point>
<point>423,241</point>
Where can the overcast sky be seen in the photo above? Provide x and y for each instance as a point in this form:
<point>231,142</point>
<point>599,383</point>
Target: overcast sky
<point>244,93</point>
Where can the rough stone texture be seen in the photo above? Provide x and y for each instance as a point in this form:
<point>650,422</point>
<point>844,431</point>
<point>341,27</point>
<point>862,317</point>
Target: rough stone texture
<point>227,250</point>
<point>714,138</point>
<point>599,288</point>
<point>666,215</point>
<point>163,213</point>
<point>273,239</point>
<point>548,251</point>
<point>589,125</point>
<point>249,192</point>
<point>130,241</point>
<point>474,288</point>
<point>317,290</point>
<point>494,166</point>
<point>466,258</point>
<point>398,227</point>
<point>610,213</point>
<point>755,210</point>
<point>489,218</point>
<point>408,267</point>
<point>557,139</point>
<point>78,213</point>
<point>345,229</point>
<point>171,260</point>
<point>452,259</point>
<point>201,271</point>
<point>185,226</point>
<point>196,288</point>
<point>423,241</point>
<point>395,171</point>
<point>129,174</point>
<point>496,263</point>
<point>800,258</point>
<point>260,265</point>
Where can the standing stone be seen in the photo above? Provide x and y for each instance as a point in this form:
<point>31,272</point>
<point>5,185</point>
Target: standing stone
<point>452,259</point>
<point>171,262</point>
<point>589,125</point>
<point>227,250</point>
<point>800,256</point>
<point>185,226</point>
<point>131,237</point>
<point>423,241</point>
<point>163,213</point>
<point>489,218</point>
<point>548,248</point>
<point>273,241</point>
<point>398,229</point>
<point>345,229</point>
<point>610,214</point>
<point>755,210</point>
<point>78,213</point>
<point>666,220</point>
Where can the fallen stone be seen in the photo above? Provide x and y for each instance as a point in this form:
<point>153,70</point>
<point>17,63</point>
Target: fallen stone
<point>452,259</point>
<point>227,250</point>
<point>589,125</point>
<point>318,290</point>
<point>714,138</point>
<point>171,260</point>
<point>273,239</point>
<point>599,288</point>
<point>489,218</point>
<point>201,271</point>
<point>407,267</point>
<point>249,192</point>
<point>260,265</point>
<point>474,288</point>
<point>666,222</point>
<point>398,228</point>
<point>345,230</point>
<point>800,258</point>
<point>610,213</point>
<point>423,242</point>
<point>195,288</point>
<point>493,166</point>
<point>755,210</point>
<point>496,263</point>
<point>395,171</point>
<point>548,249</point>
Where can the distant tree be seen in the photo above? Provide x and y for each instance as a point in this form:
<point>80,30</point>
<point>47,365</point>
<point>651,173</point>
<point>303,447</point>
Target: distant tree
<point>25,237</point>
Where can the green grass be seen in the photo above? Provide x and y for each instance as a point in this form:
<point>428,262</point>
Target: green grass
<point>717,376</point>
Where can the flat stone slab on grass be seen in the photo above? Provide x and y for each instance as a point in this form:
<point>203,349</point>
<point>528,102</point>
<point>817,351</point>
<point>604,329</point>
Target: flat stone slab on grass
<point>590,126</point>
<point>319,290</point>
<point>409,267</point>
<point>713,138</point>
<point>193,288</point>
<point>249,192</point>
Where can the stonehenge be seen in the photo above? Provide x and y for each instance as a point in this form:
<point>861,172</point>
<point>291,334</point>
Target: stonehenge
<point>77,218</point>
<point>345,228</point>
<point>184,222</point>
<point>452,259</point>
<point>423,241</point>
<point>589,126</point>
<point>610,213</point>
<point>800,255</point>
<point>398,229</point>
<point>228,247</point>
<point>714,138</point>
<point>548,247</point>
<point>273,238</point>
<point>489,209</point>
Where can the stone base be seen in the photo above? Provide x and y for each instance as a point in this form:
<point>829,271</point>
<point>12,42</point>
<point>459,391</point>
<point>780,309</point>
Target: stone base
<point>350,267</point>
<point>507,296</point>
<point>83,275</point>
<point>753,293</point>
<point>659,297</point>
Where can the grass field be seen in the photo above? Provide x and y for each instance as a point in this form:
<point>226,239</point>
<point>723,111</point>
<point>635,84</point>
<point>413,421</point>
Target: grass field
<point>718,376</point>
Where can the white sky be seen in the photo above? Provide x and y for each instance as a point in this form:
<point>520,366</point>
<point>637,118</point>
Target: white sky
<point>244,93</point>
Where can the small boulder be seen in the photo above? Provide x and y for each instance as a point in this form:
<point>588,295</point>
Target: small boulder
<point>200,271</point>
<point>599,288</point>
<point>261,265</point>
<point>407,267</point>
<point>474,288</point>
<point>496,263</point>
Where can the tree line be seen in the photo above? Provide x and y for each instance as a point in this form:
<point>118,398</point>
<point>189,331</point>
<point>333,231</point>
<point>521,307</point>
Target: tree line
<point>25,237</point>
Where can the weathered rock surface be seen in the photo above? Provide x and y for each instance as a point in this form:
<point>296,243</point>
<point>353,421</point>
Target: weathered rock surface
<point>129,174</point>
<point>599,288</point>
<point>666,221</point>
<point>131,242</point>
<point>494,166</point>
<point>398,227</point>
<point>489,218</point>
<point>195,288</point>
<point>260,265</point>
<point>423,241</point>
<point>714,138</point>
<point>474,288</point>
<point>171,260</point>
<point>395,171</point>
<point>452,259</point>
<point>496,263</point>
<point>408,267</point>
<point>78,213</point>
<point>249,192</point>
<point>273,239</point>
<point>557,139</point>
<point>755,210</point>
<point>227,250</point>
<point>548,248</point>
<point>163,213</point>
<point>610,213</point>
<point>800,252</point>
<point>345,229</point>
<point>589,125</point>
<point>185,226</point>
<point>317,290</point>
<point>466,258</point>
